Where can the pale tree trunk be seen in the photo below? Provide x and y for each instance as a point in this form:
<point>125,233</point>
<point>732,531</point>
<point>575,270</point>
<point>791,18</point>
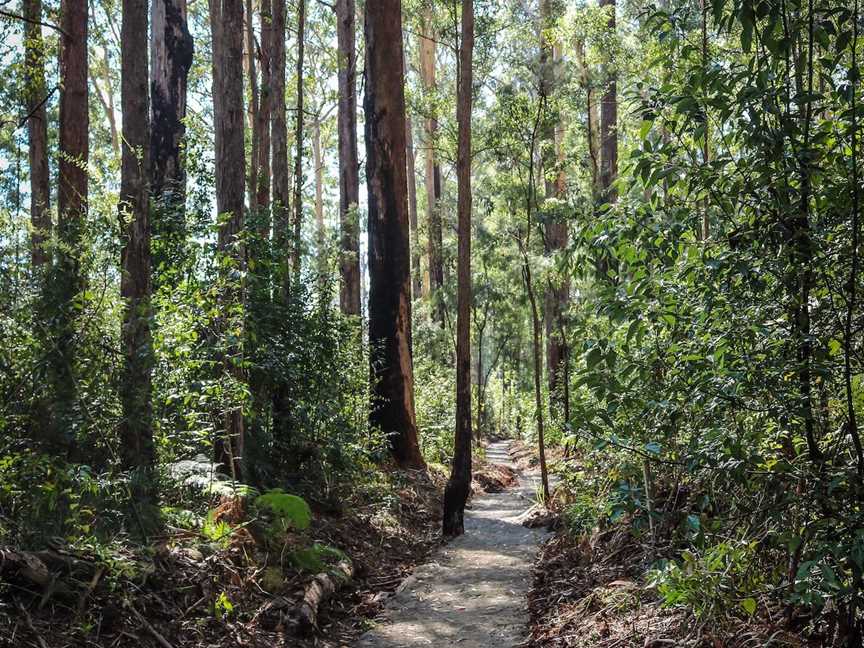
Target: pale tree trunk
<point>298,143</point>
<point>320,233</point>
<point>37,135</point>
<point>392,374</point>
<point>416,271</point>
<point>106,98</point>
<point>171,52</point>
<point>459,484</point>
<point>281,172</point>
<point>226,24</point>
<point>136,428</point>
<point>349,166</point>
<point>433,169</point>
<point>67,281</point>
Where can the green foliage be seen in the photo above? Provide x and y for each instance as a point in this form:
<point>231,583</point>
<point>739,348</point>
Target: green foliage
<point>291,512</point>
<point>712,583</point>
<point>315,559</point>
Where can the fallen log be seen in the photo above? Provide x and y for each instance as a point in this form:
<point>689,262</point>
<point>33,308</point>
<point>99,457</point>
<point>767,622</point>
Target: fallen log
<point>322,587</point>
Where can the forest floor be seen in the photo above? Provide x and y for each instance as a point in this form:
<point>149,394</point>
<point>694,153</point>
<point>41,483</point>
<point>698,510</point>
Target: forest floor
<point>473,593</point>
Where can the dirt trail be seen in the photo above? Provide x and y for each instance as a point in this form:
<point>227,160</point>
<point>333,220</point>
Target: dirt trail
<point>473,593</point>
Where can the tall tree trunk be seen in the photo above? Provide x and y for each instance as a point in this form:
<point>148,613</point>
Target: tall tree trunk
<point>298,143</point>
<point>226,24</point>
<point>252,108</point>
<point>136,428</point>
<point>537,354</point>
<point>556,234</point>
<point>263,119</point>
<point>258,249</point>
<point>416,272</point>
<point>392,373</point>
<point>433,168</point>
<point>106,98</point>
<point>349,166</point>
<point>171,52</point>
<point>281,172</point>
<point>592,125</point>
<point>609,122</point>
<point>71,214</point>
<point>320,233</point>
<point>37,135</point>
<point>282,236</point>
<point>459,484</point>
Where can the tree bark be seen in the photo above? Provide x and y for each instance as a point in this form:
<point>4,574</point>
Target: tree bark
<point>556,235</point>
<point>298,143</point>
<point>392,375</point>
<point>320,233</point>
<point>609,123</point>
<point>281,172</point>
<point>171,50</point>
<point>136,428</point>
<point>252,109</point>
<point>226,24</point>
<point>433,169</point>
<point>349,166</point>
<point>37,135</point>
<point>416,272</point>
<point>459,484</point>
<point>67,282</point>
<point>262,200</point>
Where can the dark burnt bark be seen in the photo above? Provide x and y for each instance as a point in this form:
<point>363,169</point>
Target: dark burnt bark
<point>171,50</point>
<point>136,427</point>
<point>459,484</point>
<point>392,375</point>
<point>37,135</point>
<point>226,23</point>
<point>67,282</point>
<point>349,166</point>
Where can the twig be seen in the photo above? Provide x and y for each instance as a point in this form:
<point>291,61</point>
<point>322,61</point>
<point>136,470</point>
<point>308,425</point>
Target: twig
<point>32,112</point>
<point>148,626</point>
<point>13,16</point>
<point>29,622</point>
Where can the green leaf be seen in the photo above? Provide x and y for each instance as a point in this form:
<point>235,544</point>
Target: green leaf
<point>749,605</point>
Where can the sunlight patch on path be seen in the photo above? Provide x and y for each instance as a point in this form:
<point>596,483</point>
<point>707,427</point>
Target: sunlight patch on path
<point>474,593</point>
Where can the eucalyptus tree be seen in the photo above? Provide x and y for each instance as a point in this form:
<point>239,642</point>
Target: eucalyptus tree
<point>226,25</point>
<point>459,484</point>
<point>66,278</point>
<point>392,373</point>
<point>349,165</point>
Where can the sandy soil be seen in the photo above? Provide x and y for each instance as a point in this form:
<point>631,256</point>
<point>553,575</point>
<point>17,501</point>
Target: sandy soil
<point>473,593</point>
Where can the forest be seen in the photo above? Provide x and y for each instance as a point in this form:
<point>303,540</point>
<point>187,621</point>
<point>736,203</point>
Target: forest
<point>396,323</point>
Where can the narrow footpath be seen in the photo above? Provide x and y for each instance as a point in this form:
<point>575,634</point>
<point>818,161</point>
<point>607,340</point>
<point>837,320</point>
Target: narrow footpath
<point>473,593</point>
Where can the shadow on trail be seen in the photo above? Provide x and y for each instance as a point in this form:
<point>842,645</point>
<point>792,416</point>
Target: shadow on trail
<point>473,594</point>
